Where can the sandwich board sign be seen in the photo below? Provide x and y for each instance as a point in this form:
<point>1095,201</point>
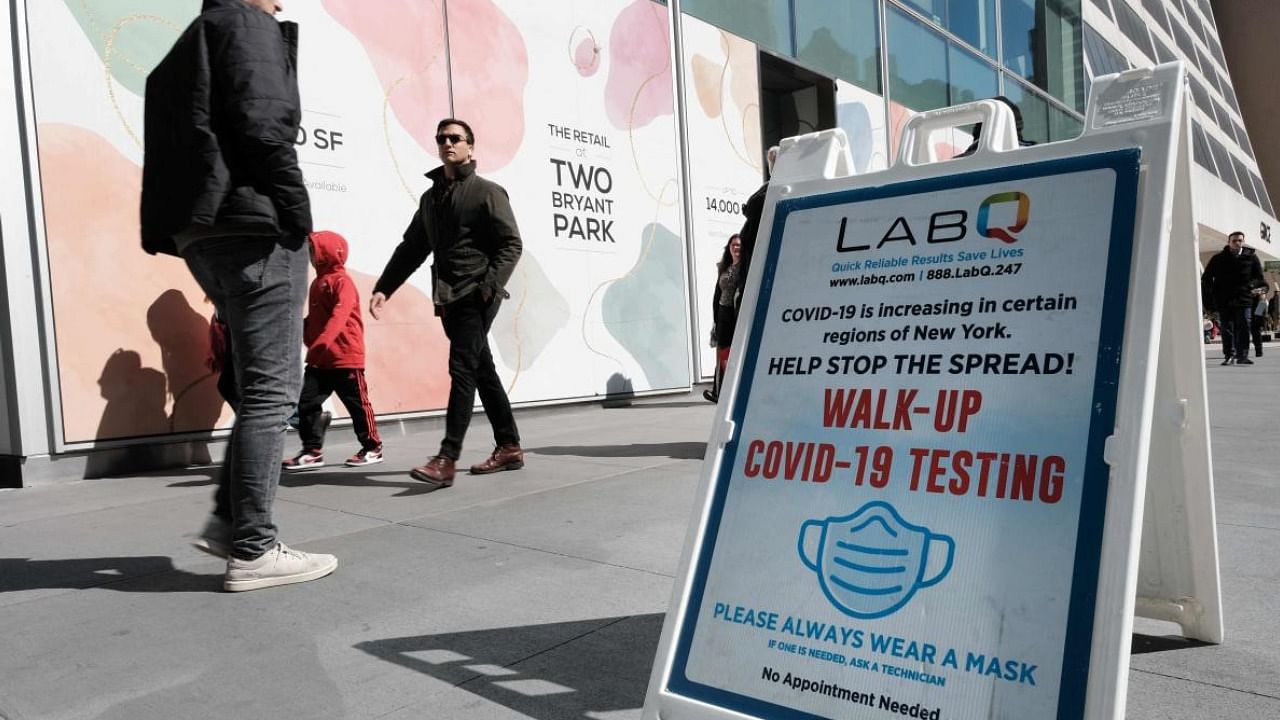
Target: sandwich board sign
<point>924,493</point>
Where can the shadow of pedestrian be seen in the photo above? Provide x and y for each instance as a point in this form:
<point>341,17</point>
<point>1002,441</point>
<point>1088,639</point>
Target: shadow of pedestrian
<point>135,408</point>
<point>619,391</point>
<point>148,573</point>
<point>674,450</point>
<point>183,337</point>
<point>583,669</point>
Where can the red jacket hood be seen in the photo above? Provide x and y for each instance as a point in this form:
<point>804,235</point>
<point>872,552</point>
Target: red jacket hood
<point>329,251</point>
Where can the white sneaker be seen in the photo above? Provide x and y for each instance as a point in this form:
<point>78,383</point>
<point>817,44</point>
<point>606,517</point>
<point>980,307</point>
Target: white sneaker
<point>281,565</point>
<point>215,538</point>
<point>305,460</point>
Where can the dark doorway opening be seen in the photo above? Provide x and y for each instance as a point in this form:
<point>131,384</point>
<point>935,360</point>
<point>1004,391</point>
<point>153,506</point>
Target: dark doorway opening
<point>793,100</point>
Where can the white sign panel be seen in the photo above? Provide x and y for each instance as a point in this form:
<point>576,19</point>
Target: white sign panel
<point>908,521</point>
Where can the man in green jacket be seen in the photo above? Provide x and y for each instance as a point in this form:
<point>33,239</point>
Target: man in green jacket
<point>466,221</point>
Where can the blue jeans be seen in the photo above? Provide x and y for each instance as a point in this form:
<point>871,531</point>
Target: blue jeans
<point>258,285</point>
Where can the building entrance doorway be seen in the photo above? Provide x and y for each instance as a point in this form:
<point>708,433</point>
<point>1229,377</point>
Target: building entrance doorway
<point>793,100</point>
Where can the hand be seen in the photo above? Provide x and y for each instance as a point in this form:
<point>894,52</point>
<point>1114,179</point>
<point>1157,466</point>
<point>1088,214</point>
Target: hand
<point>376,301</point>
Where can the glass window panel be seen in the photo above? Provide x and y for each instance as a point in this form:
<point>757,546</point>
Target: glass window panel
<point>1231,98</point>
<point>1063,125</point>
<point>1207,7</point>
<point>973,21</point>
<point>1103,57</point>
<point>767,22</point>
<point>1183,39</point>
<point>1222,159</point>
<point>842,38</point>
<point>1200,149</point>
<point>917,63</point>
<point>1042,44</point>
<point>1202,98</point>
<point>1215,48</point>
<point>1133,28</point>
<point>1220,117</point>
<point>1220,82</point>
<point>1018,24</point>
<point>1155,8</point>
<point>1242,138</point>
<point>1163,53</point>
<point>1206,66</point>
<point>1197,26</point>
<point>1035,110</point>
<point>1263,197</point>
<point>968,77</point>
<point>1104,6</point>
<point>1246,180</point>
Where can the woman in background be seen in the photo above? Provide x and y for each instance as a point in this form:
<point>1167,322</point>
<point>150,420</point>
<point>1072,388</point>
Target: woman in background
<point>724,309</point>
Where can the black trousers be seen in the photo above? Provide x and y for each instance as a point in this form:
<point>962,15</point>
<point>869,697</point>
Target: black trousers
<point>466,323</point>
<point>349,385</point>
<point>1235,331</point>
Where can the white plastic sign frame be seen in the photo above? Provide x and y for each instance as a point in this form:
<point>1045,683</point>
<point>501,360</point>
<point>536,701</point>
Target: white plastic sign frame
<point>1136,127</point>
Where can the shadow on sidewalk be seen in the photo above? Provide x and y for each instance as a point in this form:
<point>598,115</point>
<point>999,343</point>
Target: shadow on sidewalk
<point>665,405</point>
<point>144,574</point>
<point>1142,644</point>
<point>675,450</point>
<point>339,477</point>
<point>556,671</point>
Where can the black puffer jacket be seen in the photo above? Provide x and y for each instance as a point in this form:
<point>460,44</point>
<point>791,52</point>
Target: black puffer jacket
<point>1230,279</point>
<point>222,114</point>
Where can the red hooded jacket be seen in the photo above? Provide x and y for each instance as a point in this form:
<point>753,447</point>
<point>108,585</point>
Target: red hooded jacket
<point>333,330</point>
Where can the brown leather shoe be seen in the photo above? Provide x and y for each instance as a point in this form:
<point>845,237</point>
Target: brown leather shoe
<point>504,457</point>
<point>438,471</point>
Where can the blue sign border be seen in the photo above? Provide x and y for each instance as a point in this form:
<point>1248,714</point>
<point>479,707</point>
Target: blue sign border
<point>1084,582</point>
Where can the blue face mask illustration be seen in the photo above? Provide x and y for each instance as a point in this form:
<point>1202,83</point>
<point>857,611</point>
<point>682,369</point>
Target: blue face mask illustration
<point>872,562</point>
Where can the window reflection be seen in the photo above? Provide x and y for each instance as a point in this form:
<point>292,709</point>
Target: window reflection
<point>767,22</point>
<point>973,21</point>
<point>1018,23</point>
<point>917,61</point>
<point>1035,110</point>
<point>927,71</point>
<point>842,38</point>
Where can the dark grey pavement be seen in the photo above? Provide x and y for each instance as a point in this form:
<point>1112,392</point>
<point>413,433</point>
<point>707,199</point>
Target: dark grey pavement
<point>533,594</point>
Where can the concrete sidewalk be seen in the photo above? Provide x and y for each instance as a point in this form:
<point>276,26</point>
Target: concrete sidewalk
<point>533,594</point>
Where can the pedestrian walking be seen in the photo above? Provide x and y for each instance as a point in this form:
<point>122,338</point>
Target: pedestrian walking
<point>466,222</point>
<point>724,308</point>
<point>1257,319</point>
<point>334,334</point>
<point>1227,287</point>
<point>221,188</point>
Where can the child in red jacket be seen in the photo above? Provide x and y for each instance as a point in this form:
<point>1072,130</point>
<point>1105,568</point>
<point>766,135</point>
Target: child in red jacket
<point>334,335</point>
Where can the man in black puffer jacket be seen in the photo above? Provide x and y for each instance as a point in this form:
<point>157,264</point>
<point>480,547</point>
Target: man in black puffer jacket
<point>222,189</point>
<point>1228,286</point>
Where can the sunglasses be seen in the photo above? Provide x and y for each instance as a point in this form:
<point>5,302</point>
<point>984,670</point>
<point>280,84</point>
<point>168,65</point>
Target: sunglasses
<point>450,138</point>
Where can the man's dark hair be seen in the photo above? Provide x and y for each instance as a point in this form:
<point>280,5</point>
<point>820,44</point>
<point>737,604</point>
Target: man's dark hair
<point>1017,112</point>
<point>471,137</point>
<point>1235,233</point>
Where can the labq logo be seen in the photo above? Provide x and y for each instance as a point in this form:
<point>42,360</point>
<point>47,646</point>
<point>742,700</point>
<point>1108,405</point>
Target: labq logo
<point>945,226</point>
<point>1005,234</point>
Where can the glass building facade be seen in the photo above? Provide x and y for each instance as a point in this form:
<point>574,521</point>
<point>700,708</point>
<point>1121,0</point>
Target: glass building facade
<point>927,54</point>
